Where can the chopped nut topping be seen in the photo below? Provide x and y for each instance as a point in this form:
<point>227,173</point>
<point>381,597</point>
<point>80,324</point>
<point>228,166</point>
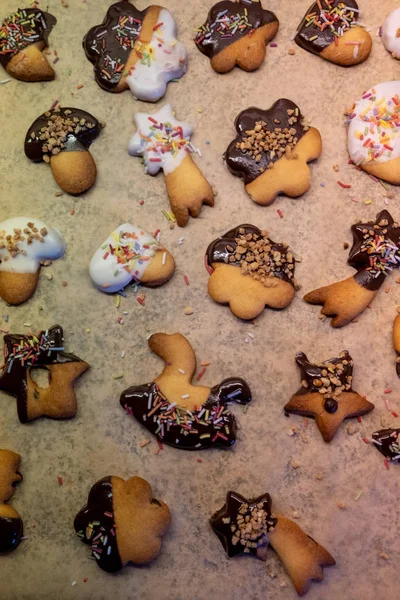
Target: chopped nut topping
<point>252,526</point>
<point>11,242</point>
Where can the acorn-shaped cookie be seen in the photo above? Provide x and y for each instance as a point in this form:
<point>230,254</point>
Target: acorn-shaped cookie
<point>62,137</point>
<point>11,525</point>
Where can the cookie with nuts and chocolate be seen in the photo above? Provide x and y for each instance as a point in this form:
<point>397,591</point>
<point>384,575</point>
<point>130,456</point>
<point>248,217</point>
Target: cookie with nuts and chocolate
<point>271,151</point>
<point>61,137</point>
<point>249,271</point>
<point>326,393</point>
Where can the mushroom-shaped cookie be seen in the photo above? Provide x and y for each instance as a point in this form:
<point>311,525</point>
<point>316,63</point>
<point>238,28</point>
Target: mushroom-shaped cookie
<point>11,526</point>
<point>247,526</point>
<point>181,414</point>
<point>130,254</point>
<point>122,523</point>
<point>62,137</point>
<point>387,441</point>
<point>391,33</point>
<point>326,394</point>
<point>375,253</point>
<point>164,143</point>
<point>249,271</point>
<point>236,33</point>
<point>330,29</point>
<point>24,242</point>
<point>23,36</point>
<point>45,351</point>
<point>271,151</point>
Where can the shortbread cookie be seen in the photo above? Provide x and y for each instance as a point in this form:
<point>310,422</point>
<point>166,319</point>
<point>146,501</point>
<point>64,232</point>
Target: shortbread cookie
<point>164,143</point>
<point>137,50</point>
<point>122,523</point>
<point>61,137</point>
<point>391,33</point>
<point>387,441</point>
<point>130,254</point>
<point>236,33</point>
<point>24,242</point>
<point>248,526</point>
<point>396,342</point>
<point>45,351</point>
<point>326,393</point>
<point>373,135</point>
<point>375,253</point>
<point>271,151</point>
<point>23,36</point>
<point>249,271</point>
<point>330,29</point>
<point>11,525</point>
<point>181,414</point>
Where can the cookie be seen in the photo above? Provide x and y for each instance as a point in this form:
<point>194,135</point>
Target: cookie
<point>178,413</point>
<point>331,30</point>
<point>136,50</point>
<point>122,523</point>
<point>23,37</point>
<point>247,527</point>
<point>236,34</point>
<point>24,242</point>
<point>164,143</point>
<point>387,441</point>
<point>374,254</point>
<point>390,33</point>
<point>249,271</point>
<point>326,394</point>
<point>11,525</point>
<point>396,342</point>
<point>271,151</point>
<point>45,351</point>
<point>373,145</point>
<point>61,137</point>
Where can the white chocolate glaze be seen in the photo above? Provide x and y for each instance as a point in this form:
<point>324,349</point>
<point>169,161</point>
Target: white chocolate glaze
<point>391,32</point>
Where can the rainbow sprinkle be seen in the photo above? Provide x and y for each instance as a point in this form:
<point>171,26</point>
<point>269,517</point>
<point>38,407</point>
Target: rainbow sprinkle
<point>127,250</point>
<point>21,29</point>
<point>337,19</point>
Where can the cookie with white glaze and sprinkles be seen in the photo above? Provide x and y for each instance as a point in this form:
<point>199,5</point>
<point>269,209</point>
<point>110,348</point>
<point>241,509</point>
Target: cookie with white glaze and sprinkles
<point>23,37</point>
<point>332,30</point>
<point>236,34</point>
<point>122,523</point>
<point>11,525</point>
<point>390,33</point>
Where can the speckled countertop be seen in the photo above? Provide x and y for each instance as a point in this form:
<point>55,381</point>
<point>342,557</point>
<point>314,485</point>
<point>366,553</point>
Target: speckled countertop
<point>102,440</point>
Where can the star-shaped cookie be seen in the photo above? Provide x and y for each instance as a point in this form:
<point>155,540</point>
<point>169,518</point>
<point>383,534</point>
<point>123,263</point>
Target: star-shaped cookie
<point>326,393</point>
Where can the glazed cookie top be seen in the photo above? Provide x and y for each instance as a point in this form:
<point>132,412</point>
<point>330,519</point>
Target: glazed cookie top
<point>373,133</point>
<point>263,137</point>
<point>60,130</point>
<point>227,22</point>
<point>330,378</point>
<point>387,441</point>
<point>257,255</point>
<point>391,33</point>
<point>326,21</point>
<point>22,28</point>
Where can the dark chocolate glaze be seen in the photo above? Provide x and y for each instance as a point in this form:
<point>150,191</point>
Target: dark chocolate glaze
<point>398,365</point>
<point>218,250</point>
<point>326,37</point>
<point>101,43</point>
<point>231,510</point>
<point>41,23</point>
<point>74,142</point>
<point>14,375</point>
<point>216,42</point>
<point>97,529</point>
<point>311,371</point>
<point>135,400</point>
<point>386,441</point>
<point>11,532</point>
<point>243,165</point>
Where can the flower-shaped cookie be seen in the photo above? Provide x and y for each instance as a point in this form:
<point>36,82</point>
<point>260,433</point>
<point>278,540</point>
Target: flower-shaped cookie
<point>11,526</point>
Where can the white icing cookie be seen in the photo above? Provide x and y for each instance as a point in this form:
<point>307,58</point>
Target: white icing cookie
<point>163,59</point>
<point>391,33</point>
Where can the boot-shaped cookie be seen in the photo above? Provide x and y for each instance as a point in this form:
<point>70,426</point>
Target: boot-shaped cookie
<point>24,242</point>
<point>271,151</point>
<point>122,523</point>
<point>61,137</point>
<point>24,35</point>
<point>375,253</point>
<point>248,526</point>
<point>136,49</point>
<point>11,526</point>
<point>181,414</point>
<point>44,350</point>
<point>164,143</point>
<point>236,33</point>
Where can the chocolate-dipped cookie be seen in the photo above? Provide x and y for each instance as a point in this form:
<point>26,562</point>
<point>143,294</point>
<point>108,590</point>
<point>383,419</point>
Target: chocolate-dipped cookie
<point>236,33</point>
<point>387,441</point>
<point>271,151</point>
<point>11,525</point>
<point>396,342</point>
